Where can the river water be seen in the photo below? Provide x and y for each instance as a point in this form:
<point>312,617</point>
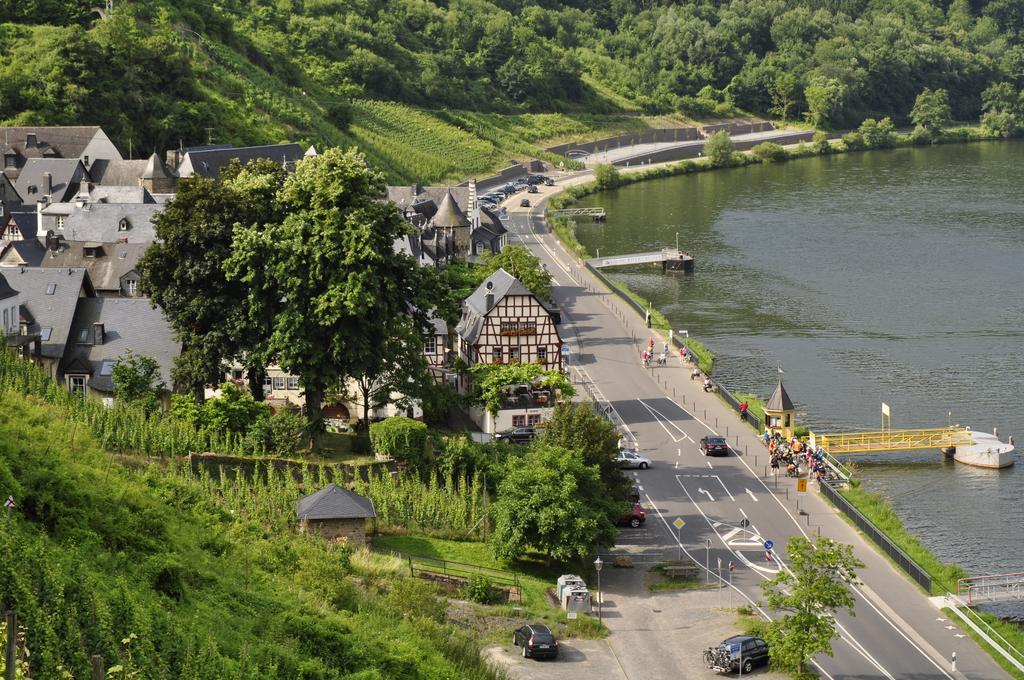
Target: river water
<point>893,276</point>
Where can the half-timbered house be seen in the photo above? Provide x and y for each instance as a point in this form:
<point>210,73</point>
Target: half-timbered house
<point>503,322</point>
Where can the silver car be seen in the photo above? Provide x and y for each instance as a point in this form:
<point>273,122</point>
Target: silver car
<point>628,459</point>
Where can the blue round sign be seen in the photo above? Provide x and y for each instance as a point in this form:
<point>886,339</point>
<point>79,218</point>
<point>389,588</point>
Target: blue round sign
<point>768,545</point>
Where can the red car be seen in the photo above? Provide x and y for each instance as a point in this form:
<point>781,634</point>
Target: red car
<point>635,518</point>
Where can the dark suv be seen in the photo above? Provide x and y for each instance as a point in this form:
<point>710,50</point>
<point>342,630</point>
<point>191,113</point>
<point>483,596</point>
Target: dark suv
<point>517,435</point>
<point>740,651</point>
<point>714,446</point>
<point>536,640</point>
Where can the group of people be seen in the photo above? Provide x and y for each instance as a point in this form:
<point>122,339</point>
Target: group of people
<point>793,454</point>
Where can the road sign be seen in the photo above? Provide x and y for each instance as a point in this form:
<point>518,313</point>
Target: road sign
<point>801,485</point>
<point>709,544</point>
<point>9,503</point>
<point>744,522</point>
<point>732,566</point>
<point>768,545</point>
<point>719,564</point>
<point>570,615</point>
<point>679,523</point>
<point>565,348</point>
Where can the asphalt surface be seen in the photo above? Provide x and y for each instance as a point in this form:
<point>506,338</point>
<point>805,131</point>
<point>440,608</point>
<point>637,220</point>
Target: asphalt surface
<point>896,632</point>
<point>639,151</point>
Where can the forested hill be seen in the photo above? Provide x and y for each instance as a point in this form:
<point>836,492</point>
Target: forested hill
<point>156,72</point>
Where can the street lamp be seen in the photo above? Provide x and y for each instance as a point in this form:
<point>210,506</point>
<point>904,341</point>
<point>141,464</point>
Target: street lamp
<point>597,565</point>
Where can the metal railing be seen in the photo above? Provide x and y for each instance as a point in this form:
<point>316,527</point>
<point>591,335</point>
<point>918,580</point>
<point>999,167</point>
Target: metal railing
<point>423,564</point>
<point>991,587</point>
<point>902,559</point>
<point>895,440</point>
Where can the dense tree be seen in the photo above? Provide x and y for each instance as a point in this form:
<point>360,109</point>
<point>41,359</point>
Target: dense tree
<point>183,272</point>
<point>607,176</point>
<point>719,149</point>
<point>809,593</point>
<point>137,380</point>
<point>931,113</point>
<point>518,261</point>
<point>579,427</point>
<point>552,502</point>
<point>824,99</point>
<point>328,279</point>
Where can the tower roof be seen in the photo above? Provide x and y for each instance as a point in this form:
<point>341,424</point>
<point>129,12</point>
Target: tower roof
<point>448,213</point>
<point>155,169</point>
<point>780,400</point>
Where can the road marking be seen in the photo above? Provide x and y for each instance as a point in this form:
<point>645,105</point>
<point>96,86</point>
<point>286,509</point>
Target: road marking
<point>724,487</point>
<point>709,464</point>
<point>679,452</point>
<point>659,416</point>
<point>677,465</point>
<point>950,627</point>
<point>640,488</point>
<point>751,493</point>
<point>744,514</point>
<point>958,635</point>
<point>706,492</point>
<point>658,420</point>
<point>941,619</point>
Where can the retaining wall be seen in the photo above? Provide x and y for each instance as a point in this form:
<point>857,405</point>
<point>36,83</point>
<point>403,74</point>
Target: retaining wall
<point>651,136</point>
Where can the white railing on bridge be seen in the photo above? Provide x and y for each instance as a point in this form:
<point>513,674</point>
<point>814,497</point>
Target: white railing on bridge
<point>991,588</point>
<point>595,212</point>
<point>663,255</point>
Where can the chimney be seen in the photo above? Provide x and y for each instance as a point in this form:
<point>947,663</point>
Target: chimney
<point>47,183</point>
<point>97,333</point>
<point>30,141</point>
<point>489,297</point>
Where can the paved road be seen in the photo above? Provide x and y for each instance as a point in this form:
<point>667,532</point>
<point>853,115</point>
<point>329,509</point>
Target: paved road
<point>896,632</point>
<point>637,152</point>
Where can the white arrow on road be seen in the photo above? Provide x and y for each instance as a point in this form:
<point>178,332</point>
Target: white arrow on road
<point>751,494</point>
<point>706,492</point>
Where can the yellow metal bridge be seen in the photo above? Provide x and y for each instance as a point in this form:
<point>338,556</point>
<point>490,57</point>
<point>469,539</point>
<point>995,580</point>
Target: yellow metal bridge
<point>894,440</point>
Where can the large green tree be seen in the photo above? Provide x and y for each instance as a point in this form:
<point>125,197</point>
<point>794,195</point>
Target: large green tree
<point>550,501</point>
<point>809,593</point>
<point>137,381</point>
<point>183,272</point>
<point>518,261</point>
<point>328,278</point>
<point>719,149</point>
<point>825,97</point>
<point>931,113</point>
<point>579,427</point>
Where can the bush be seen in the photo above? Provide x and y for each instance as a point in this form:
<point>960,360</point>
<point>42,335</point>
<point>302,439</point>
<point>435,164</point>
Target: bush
<point>167,575</point>
<point>769,152</point>
<point>480,590</point>
<point>400,438</point>
<point>720,150</point>
<point>607,176</point>
<point>820,142</point>
<point>278,435</point>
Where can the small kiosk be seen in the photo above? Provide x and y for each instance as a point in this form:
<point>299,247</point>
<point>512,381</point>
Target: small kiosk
<point>779,412</point>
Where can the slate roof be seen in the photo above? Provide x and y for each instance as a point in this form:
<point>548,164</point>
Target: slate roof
<point>207,162</point>
<point>105,271</point>
<point>128,324</point>
<point>475,307</point>
<point>28,223</point>
<point>489,232</point>
<point>28,252</point>
<point>430,197</point>
<point>449,214</point>
<point>117,172</point>
<point>155,169</point>
<point>334,502</point>
<point>60,142</point>
<point>54,311</point>
<point>5,288</point>
<point>100,222</point>
<point>780,400</point>
<point>120,194</point>
<point>67,174</point>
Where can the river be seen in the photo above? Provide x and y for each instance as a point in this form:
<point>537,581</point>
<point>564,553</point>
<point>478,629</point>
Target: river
<point>893,276</point>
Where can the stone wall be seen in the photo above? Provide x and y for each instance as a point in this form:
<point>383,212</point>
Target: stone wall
<point>352,531</point>
<point>651,136</point>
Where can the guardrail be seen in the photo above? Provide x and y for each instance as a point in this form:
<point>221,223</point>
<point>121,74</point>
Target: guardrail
<point>895,440</point>
<point>902,559</point>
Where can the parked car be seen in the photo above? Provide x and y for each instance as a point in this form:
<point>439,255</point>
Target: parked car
<point>739,651</point>
<point>532,189</point>
<point>549,182</point>
<point>536,179</point>
<point>634,518</point>
<point>628,459</point>
<point>537,641</point>
<point>634,494</point>
<point>517,435</point>
<point>525,203</point>
<point>714,446</point>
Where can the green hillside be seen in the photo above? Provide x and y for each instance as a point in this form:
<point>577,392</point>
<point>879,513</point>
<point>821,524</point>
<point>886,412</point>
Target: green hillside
<point>171,575</point>
<point>158,72</point>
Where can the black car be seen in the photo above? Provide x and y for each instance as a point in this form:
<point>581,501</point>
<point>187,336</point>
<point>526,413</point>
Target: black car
<point>525,203</point>
<point>517,435</point>
<point>532,189</point>
<point>536,640</point>
<point>714,446</point>
<point>743,651</point>
<point>549,182</point>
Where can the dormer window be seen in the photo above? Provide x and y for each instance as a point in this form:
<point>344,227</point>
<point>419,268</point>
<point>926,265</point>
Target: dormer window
<point>10,160</point>
<point>60,221</point>
<point>33,189</point>
<point>124,224</point>
<point>13,232</point>
<point>93,250</point>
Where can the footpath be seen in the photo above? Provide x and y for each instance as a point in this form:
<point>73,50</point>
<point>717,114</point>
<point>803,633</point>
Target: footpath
<point>892,595</point>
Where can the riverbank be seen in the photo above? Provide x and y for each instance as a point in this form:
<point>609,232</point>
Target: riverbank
<point>875,507</point>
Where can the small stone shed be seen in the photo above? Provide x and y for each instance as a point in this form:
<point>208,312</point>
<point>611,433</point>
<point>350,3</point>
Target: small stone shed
<point>335,513</point>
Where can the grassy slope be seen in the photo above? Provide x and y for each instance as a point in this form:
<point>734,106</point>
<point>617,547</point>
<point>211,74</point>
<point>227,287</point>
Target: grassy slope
<point>96,552</point>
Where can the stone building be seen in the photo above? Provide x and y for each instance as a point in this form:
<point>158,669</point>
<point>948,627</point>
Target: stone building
<point>335,513</point>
